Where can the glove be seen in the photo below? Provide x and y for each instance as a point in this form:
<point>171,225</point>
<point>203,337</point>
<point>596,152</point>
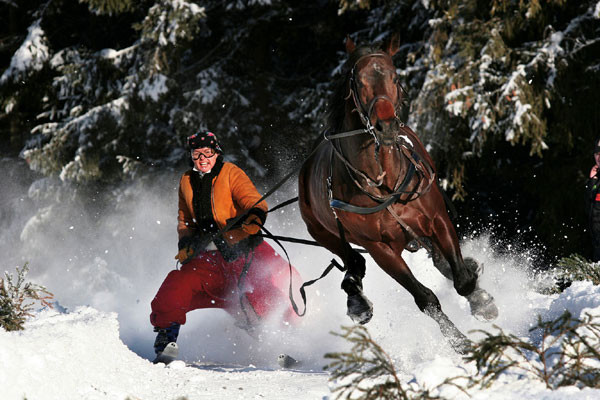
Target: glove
<point>189,246</point>
<point>252,224</point>
<point>185,255</point>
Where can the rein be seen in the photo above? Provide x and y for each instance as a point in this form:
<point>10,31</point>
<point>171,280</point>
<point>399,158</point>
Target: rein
<point>417,164</point>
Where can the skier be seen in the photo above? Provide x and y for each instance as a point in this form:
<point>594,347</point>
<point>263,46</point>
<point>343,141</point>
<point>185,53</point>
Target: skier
<point>236,271</point>
<point>593,203</point>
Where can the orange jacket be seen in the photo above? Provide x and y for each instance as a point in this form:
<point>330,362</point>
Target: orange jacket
<point>232,194</point>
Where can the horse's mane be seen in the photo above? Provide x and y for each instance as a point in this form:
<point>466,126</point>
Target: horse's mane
<point>337,101</point>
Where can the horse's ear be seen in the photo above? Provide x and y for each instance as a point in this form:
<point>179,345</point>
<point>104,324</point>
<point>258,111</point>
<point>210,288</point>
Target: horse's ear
<point>391,44</point>
<point>350,46</point>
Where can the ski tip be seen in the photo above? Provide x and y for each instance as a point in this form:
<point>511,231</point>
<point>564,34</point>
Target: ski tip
<point>286,361</point>
<point>170,347</point>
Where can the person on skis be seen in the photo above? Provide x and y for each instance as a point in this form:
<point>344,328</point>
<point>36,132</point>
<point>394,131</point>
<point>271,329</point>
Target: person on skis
<point>593,202</point>
<point>237,270</point>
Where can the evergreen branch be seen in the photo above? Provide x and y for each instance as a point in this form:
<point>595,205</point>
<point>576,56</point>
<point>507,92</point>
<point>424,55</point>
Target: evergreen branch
<point>18,298</point>
<point>578,268</point>
<point>367,372</point>
<point>564,357</point>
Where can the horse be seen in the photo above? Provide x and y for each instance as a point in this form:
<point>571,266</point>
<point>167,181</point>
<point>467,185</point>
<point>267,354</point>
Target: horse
<point>371,182</point>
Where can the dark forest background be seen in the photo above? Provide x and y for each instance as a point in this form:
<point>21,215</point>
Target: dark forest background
<point>505,94</point>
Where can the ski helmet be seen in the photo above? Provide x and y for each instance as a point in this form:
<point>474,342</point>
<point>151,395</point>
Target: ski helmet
<point>204,139</point>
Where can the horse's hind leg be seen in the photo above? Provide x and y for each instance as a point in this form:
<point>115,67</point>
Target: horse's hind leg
<point>393,264</point>
<point>447,258</point>
<point>439,261</point>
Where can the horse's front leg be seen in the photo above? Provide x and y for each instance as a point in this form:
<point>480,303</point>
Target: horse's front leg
<point>464,272</point>
<point>389,259</point>
<point>360,308</point>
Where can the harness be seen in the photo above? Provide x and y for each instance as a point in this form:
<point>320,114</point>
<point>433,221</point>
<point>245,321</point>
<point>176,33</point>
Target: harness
<point>417,165</point>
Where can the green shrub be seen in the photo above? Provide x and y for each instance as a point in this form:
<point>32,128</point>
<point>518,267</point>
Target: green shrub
<point>566,353</point>
<point>17,299</point>
<point>577,268</point>
<point>367,372</point>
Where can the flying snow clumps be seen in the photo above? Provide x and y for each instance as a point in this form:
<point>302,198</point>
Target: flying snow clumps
<point>32,55</point>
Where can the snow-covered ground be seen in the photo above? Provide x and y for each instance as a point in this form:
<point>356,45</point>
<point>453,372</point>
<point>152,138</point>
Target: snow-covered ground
<point>79,354</point>
<point>97,342</point>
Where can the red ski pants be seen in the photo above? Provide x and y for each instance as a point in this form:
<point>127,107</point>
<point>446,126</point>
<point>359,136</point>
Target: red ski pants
<point>208,281</point>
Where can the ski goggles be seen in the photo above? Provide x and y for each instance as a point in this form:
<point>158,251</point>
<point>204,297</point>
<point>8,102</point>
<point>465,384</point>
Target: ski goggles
<point>207,153</point>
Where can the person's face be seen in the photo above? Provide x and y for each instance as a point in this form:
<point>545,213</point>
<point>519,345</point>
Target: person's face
<point>597,158</point>
<point>204,158</point>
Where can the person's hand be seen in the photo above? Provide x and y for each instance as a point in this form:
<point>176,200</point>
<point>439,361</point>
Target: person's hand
<point>185,255</point>
<point>252,224</point>
<point>189,246</point>
<point>594,171</point>
<point>235,235</point>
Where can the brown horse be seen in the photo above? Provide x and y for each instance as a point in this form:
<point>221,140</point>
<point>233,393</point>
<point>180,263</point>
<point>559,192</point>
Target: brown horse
<point>371,182</point>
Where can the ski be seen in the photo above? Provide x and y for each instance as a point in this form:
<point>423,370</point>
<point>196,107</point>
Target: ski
<point>287,362</point>
<point>171,352</point>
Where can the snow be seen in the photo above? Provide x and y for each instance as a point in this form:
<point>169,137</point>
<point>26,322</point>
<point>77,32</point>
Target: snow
<point>32,54</point>
<point>82,354</point>
<point>79,355</point>
<point>171,30</point>
<point>209,89</point>
<point>152,87</point>
<point>97,342</point>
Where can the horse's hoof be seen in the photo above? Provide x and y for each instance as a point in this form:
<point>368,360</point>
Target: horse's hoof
<point>360,309</point>
<point>482,305</point>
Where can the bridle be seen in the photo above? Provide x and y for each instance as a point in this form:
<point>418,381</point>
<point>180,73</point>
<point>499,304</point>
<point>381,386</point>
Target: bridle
<point>403,146</point>
<point>365,110</point>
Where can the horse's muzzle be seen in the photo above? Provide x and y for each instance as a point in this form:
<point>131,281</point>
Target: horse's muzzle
<point>387,131</point>
<point>386,123</point>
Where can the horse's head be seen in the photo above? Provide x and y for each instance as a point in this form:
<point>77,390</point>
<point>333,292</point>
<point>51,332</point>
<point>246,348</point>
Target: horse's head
<point>375,88</point>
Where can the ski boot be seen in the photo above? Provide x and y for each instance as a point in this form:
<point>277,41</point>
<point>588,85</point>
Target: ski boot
<point>165,345</point>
